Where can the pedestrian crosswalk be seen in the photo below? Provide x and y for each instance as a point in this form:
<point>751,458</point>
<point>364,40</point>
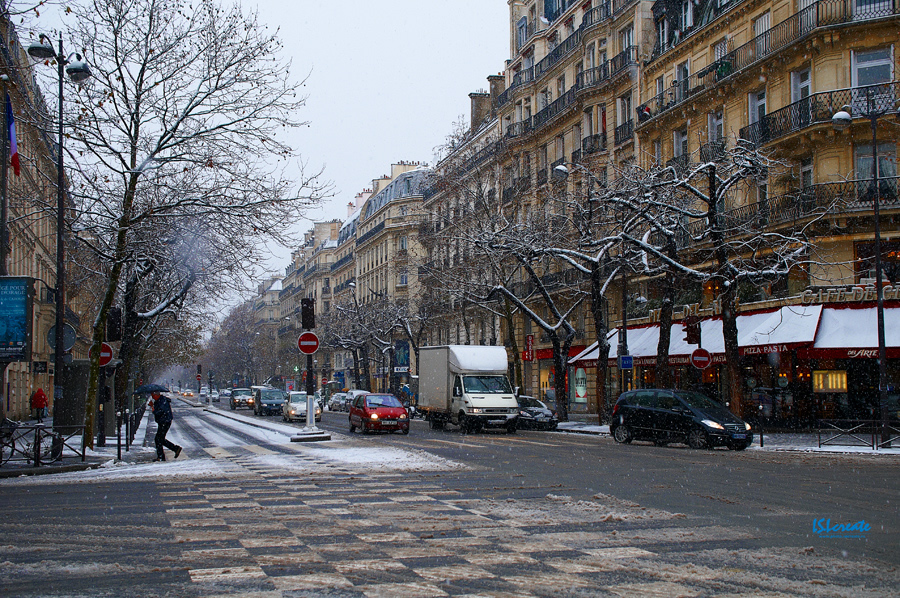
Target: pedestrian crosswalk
<point>339,531</point>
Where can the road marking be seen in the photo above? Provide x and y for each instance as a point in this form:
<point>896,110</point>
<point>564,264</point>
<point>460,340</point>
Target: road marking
<point>253,448</point>
<point>216,452</point>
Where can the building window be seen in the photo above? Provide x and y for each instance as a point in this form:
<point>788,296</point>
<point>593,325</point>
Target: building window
<point>680,143</point>
<point>626,38</point>
<point>715,126</point>
<point>872,67</point>
<point>662,33</point>
<point>624,109</point>
<point>757,102</point>
<point>657,151</point>
<point>720,49</point>
<point>403,243</point>
<point>806,172</point>
<point>687,14</point>
<point>887,163</point>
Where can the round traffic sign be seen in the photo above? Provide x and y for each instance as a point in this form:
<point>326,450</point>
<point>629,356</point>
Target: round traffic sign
<point>106,354</point>
<point>701,359</point>
<point>198,377</point>
<point>308,343</point>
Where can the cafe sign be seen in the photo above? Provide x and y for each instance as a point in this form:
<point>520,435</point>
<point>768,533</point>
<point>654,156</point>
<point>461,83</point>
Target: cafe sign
<point>849,295</point>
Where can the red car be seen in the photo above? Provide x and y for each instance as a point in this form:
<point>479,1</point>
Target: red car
<point>378,412</point>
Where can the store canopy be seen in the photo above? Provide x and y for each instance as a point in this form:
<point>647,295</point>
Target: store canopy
<point>759,333</point>
<point>850,333</point>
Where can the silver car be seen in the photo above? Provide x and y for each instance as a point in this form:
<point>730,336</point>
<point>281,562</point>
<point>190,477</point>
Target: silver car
<point>294,408</point>
<point>337,402</point>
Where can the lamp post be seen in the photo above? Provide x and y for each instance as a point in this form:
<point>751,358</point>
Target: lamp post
<point>78,71</point>
<point>876,106</point>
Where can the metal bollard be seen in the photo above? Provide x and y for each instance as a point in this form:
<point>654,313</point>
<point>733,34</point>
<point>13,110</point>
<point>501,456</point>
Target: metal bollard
<point>101,427</point>
<point>36,445</point>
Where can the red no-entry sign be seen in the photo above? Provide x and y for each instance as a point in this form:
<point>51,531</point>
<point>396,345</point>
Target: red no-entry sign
<point>106,354</point>
<point>701,359</point>
<point>308,343</point>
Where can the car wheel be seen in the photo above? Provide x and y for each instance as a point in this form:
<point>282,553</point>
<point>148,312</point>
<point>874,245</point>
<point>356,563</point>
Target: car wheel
<point>233,407</point>
<point>352,428</point>
<point>697,439</point>
<point>405,431</point>
<point>622,434</point>
<point>511,428</point>
<point>465,426</point>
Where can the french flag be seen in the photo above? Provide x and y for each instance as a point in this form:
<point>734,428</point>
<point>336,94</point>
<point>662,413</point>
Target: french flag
<point>13,146</point>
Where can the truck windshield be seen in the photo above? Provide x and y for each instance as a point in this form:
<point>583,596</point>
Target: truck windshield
<point>487,384</point>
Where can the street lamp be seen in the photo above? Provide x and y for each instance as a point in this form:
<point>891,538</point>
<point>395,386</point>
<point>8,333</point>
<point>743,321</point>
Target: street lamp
<point>78,71</point>
<point>876,106</point>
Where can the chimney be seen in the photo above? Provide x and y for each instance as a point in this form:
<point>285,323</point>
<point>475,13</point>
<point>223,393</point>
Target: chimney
<point>497,86</point>
<point>481,108</point>
<point>351,207</point>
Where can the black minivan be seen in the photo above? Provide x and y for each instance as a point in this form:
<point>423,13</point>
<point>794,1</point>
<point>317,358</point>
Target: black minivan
<point>665,416</point>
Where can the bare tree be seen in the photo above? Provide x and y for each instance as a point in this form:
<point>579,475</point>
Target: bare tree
<point>182,118</point>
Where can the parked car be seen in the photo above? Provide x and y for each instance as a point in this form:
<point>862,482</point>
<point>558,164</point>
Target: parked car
<point>665,416</point>
<point>378,412</point>
<point>267,401</point>
<point>241,397</point>
<point>536,415</point>
<point>336,403</point>
<point>214,396</point>
<point>295,407</point>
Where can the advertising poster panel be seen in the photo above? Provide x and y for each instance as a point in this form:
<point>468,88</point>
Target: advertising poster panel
<point>16,306</point>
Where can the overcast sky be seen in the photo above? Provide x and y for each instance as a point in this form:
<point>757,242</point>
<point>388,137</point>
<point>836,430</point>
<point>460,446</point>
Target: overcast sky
<point>387,80</point>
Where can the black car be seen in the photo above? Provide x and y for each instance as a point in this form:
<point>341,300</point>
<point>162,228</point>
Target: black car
<point>268,401</point>
<point>536,415</point>
<point>665,416</point>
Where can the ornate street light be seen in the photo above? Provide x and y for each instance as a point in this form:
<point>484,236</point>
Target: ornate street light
<point>78,71</point>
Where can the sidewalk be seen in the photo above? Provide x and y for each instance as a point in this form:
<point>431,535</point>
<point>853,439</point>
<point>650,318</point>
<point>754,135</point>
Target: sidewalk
<point>105,456</point>
<point>581,423</point>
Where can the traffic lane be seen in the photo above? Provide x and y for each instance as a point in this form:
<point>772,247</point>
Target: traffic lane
<point>203,434</point>
<point>777,491</point>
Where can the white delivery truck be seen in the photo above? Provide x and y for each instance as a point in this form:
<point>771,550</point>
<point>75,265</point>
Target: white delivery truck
<point>466,385</point>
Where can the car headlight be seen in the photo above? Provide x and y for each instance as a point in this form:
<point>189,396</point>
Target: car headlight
<point>374,416</point>
<point>402,416</point>
<point>711,424</point>
<point>746,425</point>
<point>475,410</point>
<point>523,413</point>
<point>293,412</point>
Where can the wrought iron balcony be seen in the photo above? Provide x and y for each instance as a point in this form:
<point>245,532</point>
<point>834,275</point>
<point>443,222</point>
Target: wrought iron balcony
<point>594,143</point>
<point>622,60</point>
<point>624,132</point>
<point>592,78</point>
<point>681,163</point>
<point>568,45</point>
<point>712,151</point>
<point>819,108</point>
<point>596,15</point>
<point>821,14</point>
<point>523,127</point>
<point>554,109</point>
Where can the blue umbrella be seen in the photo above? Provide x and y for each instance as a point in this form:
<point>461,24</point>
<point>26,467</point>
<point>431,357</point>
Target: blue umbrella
<point>150,388</point>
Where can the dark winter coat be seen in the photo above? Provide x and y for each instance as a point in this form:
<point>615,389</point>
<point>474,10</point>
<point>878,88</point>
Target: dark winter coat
<point>162,409</point>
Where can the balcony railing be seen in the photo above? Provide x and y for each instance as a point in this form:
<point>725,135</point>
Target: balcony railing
<point>620,5</point>
<point>624,132</point>
<point>622,60</point>
<point>596,15</point>
<point>375,230</point>
<point>342,262</point>
<point>594,143</point>
<point>712,151</point>
<point>523,127</point>
<point>556,175</point>
<point>831,198</point>
<point>680,164</point>
<point>554,109</point>
<point>593,77</point>
<point>568,45</point>
<point>821,14</point>
<point>310,270</point>
<point>819,108</point>
<point>541,176</point>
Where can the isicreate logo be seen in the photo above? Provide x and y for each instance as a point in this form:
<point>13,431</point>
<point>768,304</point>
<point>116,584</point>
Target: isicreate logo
<point>825,529</point>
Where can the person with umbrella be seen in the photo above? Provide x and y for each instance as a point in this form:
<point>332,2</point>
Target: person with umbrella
<point>162,413</point>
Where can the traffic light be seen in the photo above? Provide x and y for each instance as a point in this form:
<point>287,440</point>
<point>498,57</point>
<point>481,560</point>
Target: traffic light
<point>692,330</point>
<point>199,369</point>
<point>307,313</point>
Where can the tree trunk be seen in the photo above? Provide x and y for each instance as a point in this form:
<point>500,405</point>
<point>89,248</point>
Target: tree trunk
<point>663,368</point>
<point>601,331</point>
<point>733,388</point>
<point>513,345</point>
<point>367,372</point>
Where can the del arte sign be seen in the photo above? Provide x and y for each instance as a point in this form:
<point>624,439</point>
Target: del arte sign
<point>849,295</point>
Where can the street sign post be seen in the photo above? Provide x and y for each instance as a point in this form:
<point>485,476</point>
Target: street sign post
<point>701,359</point>
<point>308,343</point>
<point>626,362</point>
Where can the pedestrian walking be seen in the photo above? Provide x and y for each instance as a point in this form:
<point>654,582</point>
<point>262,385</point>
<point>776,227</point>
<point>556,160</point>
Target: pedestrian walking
<point>162,413</point>
<point>39,403</point>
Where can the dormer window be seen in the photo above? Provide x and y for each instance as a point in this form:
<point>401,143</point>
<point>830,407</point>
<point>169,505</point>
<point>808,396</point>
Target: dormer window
<point>687,15</point>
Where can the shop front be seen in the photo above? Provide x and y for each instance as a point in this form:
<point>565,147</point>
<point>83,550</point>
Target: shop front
<point>799,363</point>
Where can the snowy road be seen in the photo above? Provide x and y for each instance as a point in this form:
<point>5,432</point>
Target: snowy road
<point>245,512</point>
